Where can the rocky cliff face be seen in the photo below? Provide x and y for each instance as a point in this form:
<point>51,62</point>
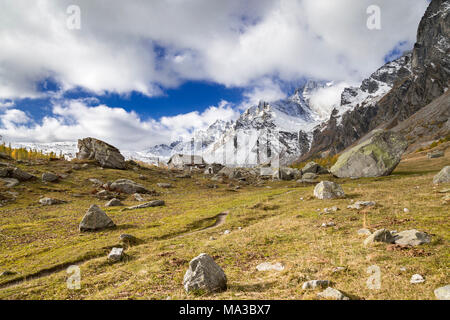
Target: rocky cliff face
<point>423,77</point>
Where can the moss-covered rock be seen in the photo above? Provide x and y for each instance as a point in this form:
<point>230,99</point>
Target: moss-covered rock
<point>375,157</point>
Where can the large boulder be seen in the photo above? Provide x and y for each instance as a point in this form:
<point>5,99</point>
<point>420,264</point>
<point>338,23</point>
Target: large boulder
<point>443,176</point>
<point>204,275</point>
<point>286,174</point>
<point>328,190</point>
<point>128,187</point>
<point>107,155</point>
<point>95,219</point>
<point>377,156</point>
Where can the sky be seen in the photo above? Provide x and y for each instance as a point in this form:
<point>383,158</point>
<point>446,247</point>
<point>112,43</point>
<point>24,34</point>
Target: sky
<point>140,73</point>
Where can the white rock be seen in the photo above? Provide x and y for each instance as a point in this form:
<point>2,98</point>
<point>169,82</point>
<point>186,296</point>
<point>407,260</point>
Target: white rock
<point>313,284</point>
<point>417,278</point>
<point>405,210</point>
<point>116,254</point>
<point>266,266</point>
<point>331,293</point>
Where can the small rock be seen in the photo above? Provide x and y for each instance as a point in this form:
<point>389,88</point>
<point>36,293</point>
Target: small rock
<point>417,278</point>
<point>128,187</point>
<point>227,232</point>
<point>405,210</point>
<point>138,197</point>
<point>50,201</point>
<point>128,239</point>
<point>49,177</point>
<point>95,219</point>
<point>114,203</point>
<point>402,269</point>
<point>331,293</point>
<point>358,205</point>
<point>328,190</point>
<point>338,269</point>
<point>412,238</point>
<point>381,235</point>
<point>96,182</point>
<point>332,209</point>
<point>10,182</point>
<point>364,232</point>
<point>266,266</point>
<point>443,293</point>
<point>154,203</point>
<point>164,185</point>
<point>328,224</point>
<point>443,176</point>
<point>116,254</point>
<point>204,274</point>
<point>313,284</point>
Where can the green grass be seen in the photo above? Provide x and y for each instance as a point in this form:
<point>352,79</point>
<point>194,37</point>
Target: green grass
<point>276,227</point>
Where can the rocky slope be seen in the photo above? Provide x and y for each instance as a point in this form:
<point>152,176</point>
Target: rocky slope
<point>427,80</point>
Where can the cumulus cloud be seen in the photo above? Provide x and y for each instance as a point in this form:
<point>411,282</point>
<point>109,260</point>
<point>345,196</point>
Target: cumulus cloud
<point>147,46</point>
<point>323,100</point>
<point>74,119</point>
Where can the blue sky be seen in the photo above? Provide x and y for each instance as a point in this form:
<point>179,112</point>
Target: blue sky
<point>164,70</point>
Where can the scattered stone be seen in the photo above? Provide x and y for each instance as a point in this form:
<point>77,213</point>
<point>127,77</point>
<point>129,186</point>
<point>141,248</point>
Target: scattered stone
<point>164,185</point>
<point>154,203</point>
<point>403,269</point>
<point>50,201</point>
<point>377,156</point>
<point>95,219</point>
<point>417,278</point>
<point>358,205</point>
<point>328,224</point>
<point>76,167</point>
<point>114,203</point>
<point>443,176</point>
<point>96,182</point>
<point>364,232</point>
<point>49,177</point>
<point>21,175</point>
<point>412,238</point>
<point>204,275</point>
<point>128,239</point>
<point>382,235</point>
<point>105,194</point>
<point>315,168</point>
<point>142,177</point>
<point>313,284</point>
<point>328,190</point>
<point>435,154</point>
<point>267,266</point>
<point>115,255</point>
<point>338,269</point>
<point>127,186</point>
<point>331,293</point>
<point>227,232</point>
<point>443,293</point>
<point>138,197</point>
<point>10,182</point>
<point>309,176</point>
<point>332,209</point>
<point>286,174</point>
<point>106,155</point>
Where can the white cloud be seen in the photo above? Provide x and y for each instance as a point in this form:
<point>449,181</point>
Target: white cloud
<point>143,46</point>
<point>323,100</point>
<point>75,119</point>
<point>264,90</point>
<point>6,104</point>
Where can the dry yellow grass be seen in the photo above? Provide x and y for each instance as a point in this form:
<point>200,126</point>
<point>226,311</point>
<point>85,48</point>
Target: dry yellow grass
<point>277,226</point>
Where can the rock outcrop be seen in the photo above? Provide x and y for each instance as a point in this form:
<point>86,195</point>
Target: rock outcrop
<point>378,156</point>
<point>105,154</point>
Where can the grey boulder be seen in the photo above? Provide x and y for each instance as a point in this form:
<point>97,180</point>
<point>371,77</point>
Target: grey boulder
<point>50,201</point>
<point>381,235</point>
<point>443,176</point>
<point>412,238</point>
<point>328,190</point>
<point>105,154</point>
<point>377,156</point>
<point>443,293</point>
<point>114,203</point>
<point>154,203</point>
<point>95,219</point>
<point>127,186</point>
<point>204,275</point>
<point>49,177</point>
<point>331,293</point>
